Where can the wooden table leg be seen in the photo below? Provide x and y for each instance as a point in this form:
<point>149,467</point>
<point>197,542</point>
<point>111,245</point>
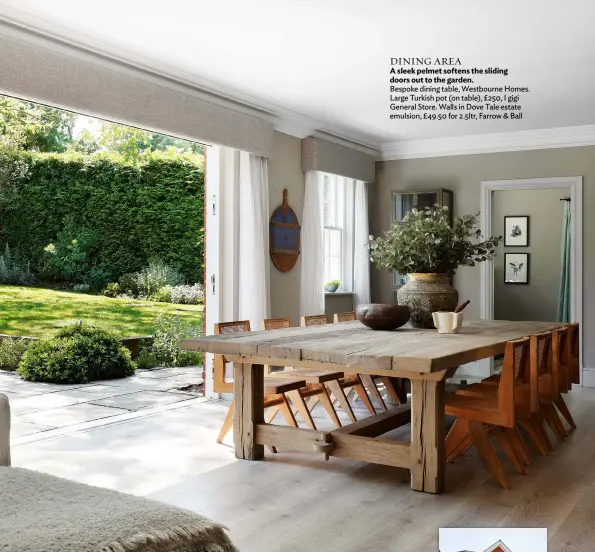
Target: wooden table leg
<point>427,436</point>
<point>249,409</point>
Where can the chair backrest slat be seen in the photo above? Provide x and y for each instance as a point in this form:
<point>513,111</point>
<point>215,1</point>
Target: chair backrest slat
<point>344,316</point>
<point>314,320</point>
<point>573,353</point>
<point>516,359</point>
<point>277,323</point>
<point>220,385</point>
<point>559,360</point>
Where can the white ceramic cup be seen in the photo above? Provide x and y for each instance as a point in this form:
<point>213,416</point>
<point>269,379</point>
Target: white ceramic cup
<point>448,322</point>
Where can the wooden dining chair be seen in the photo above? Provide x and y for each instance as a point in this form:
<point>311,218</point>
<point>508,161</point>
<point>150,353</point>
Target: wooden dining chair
<point>561,372</point>
<point>482,417</point>
<point>344,317</point>
<point>318,382</point>
<point>275,390</point>
<point>573,352</point>
<point>528,408</point>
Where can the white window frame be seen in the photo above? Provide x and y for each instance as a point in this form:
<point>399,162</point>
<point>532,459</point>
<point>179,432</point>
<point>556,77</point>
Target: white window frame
<point>329,179</point>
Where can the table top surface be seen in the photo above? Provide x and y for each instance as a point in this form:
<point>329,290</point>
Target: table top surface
<point>352,345</point>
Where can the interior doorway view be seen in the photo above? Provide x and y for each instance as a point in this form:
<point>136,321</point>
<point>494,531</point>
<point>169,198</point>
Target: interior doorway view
<point>537,274</point>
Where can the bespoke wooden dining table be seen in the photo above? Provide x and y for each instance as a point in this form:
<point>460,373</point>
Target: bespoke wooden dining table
<point>425,357</point>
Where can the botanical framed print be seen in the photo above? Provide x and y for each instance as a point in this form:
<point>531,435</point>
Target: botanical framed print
<point>516,231</point>
<point>516,268</point>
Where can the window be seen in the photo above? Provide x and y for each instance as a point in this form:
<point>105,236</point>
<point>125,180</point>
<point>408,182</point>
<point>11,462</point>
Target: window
<point>333,228</point>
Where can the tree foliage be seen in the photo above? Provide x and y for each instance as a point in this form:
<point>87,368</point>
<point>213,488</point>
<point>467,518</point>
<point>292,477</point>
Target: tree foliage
<point>34,127</point>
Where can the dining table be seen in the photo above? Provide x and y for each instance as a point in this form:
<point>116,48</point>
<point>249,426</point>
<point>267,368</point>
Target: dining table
<point>423,356</point>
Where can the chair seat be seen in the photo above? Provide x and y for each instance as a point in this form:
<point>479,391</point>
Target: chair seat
<point>310,376</point>
<point>453,403</point>
<point>276,386</point>
<point>482,388</point>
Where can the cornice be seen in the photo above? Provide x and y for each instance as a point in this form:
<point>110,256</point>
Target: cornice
<point>547,138</point>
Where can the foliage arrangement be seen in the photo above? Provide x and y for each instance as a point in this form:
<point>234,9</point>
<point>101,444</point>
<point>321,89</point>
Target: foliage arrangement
<point>92,219</point>
<point>13,270</point>
<point>165,350</point>
<point>333,283</point>
<point>425,242</point>
<point>11,353</point>
<point>78,353</point>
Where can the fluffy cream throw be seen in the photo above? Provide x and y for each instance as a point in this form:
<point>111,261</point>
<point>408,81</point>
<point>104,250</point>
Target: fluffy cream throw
<point>42,513</point>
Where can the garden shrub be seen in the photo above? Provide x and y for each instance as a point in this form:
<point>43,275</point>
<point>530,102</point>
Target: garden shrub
<point>170,329</point>
<point>187,294</point>
<point>14,270</point>
<point>112,290</point>
<point>128,284</point>
<point>156,276</point>
<point>78,353</point>
<point>11,352</point>
<point>68,258</point>
<point>162,295</point>
<point>146,359</point>
<point>150,211</point>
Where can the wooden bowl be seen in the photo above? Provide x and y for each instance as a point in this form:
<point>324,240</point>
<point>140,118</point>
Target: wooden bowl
<point>379,316</point>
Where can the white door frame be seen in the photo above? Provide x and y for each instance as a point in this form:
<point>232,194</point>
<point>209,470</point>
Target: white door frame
<point>575,187</point>
<point>212,299</point>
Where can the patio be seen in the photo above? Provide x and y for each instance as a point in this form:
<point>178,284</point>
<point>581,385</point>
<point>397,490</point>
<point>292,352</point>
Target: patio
<point>44,410</point>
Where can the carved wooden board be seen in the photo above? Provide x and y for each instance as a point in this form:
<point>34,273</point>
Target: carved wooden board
<point>284,236</point>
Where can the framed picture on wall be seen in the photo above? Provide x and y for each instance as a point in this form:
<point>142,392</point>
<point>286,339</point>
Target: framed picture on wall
<point>516,268</point>
<point>516,231</point>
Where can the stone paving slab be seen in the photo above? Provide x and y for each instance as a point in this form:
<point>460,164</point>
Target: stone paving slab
<point>142,399</point>
<point>19,428</point>
<point>71,415</point>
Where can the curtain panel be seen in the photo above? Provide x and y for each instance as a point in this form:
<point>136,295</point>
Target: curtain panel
<point>312,245</point>
<point>244,237</point>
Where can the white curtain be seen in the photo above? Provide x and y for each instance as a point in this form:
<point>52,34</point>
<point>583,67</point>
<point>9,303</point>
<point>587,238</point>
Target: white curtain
<point>346,197</point>
<point>361,236</point>
<point>312,248</point>
<point>254,288</point>
<point>244,292</point>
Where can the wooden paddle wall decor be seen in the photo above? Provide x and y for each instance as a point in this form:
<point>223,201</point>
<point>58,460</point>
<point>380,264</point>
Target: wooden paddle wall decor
<point>284,236</point>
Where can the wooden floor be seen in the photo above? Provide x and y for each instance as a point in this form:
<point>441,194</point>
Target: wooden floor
<point>296,502</point>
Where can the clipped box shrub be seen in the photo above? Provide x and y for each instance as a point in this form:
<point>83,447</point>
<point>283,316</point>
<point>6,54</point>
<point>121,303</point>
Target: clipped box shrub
<point>78,353</point>
<point>11,352</point>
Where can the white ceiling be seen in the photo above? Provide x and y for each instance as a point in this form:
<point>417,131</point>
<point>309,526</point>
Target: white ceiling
<point>329,59</point>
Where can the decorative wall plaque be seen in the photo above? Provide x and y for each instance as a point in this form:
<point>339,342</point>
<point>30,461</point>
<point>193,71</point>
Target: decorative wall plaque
<point>284,236</point>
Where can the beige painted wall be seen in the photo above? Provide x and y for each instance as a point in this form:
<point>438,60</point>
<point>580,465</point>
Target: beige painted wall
<point>539,299</point>
<point>285,171</point>
<point>463,174</point>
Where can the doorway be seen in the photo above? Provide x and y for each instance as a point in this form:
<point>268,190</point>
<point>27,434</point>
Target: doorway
<point>573,187</point>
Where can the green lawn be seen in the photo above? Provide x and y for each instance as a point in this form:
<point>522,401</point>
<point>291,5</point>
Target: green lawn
<point>36,312</point>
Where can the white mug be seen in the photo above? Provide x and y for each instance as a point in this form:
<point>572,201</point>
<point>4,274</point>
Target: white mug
<point>448,322</point>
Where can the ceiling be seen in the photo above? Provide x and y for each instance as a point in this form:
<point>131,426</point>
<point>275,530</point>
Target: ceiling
<point>329,60</point>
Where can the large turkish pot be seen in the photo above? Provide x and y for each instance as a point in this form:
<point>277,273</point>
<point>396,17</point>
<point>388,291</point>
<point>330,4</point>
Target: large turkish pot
<point>425,294</point>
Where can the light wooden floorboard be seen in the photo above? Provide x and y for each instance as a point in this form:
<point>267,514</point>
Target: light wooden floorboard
<point>296,502</point>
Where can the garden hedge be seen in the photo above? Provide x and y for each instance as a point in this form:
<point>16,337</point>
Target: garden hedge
<point>137,213</point>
